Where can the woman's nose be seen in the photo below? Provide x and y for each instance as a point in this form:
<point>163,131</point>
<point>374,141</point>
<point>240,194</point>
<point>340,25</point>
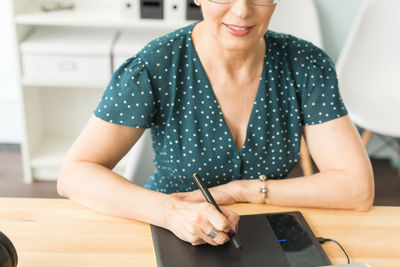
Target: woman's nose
<point>241,8</point>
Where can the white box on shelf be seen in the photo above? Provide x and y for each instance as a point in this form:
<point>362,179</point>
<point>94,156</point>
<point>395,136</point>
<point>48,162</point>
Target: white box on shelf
<point>67,55</point>
<point>175,10</point>
<point>130,42</point>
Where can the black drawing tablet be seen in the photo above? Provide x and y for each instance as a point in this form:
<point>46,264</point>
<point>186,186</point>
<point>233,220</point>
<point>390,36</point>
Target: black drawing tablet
<point>297,240</point>
<point>269,240</point>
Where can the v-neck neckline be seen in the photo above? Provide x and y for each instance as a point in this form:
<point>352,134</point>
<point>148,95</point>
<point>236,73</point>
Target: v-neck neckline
<point>215,100</point>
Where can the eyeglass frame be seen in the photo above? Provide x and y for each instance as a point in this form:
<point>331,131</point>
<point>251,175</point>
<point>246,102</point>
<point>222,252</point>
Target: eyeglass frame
<point>251,1</point>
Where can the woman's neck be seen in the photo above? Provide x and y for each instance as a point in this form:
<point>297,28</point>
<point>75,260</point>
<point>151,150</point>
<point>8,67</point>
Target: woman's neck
<point>228,62</point>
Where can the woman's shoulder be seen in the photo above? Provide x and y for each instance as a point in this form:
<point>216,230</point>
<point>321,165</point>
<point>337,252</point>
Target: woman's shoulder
<point>297,50</point>
<point>156,51</point>
<point>289,41</point>
<point>166,45</point>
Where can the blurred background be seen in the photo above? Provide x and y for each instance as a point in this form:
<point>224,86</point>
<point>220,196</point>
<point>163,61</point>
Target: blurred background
<point>57,56</point>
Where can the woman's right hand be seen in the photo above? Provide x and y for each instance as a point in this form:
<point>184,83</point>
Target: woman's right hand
<point>192,221</point>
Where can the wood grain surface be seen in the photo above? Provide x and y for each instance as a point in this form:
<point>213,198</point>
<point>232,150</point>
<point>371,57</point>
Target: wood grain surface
<point>59,232</point>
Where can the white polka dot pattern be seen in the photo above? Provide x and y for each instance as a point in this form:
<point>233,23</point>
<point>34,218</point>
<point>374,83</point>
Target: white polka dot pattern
<point>165,87</point>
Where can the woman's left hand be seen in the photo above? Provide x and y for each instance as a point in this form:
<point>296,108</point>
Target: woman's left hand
<point>222,194</point>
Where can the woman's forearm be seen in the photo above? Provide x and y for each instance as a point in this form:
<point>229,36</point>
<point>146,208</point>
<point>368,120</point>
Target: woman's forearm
<point>328,189</point>
<point>100,189</point>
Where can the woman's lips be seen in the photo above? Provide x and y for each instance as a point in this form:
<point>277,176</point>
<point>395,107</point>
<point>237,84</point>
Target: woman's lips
<point>237,30</point>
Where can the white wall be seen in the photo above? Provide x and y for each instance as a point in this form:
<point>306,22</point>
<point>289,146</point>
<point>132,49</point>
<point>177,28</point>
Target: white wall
<point>336,17</point>
<point>10,121</point>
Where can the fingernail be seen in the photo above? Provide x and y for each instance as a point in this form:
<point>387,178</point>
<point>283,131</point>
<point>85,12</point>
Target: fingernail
<point>231,233</point>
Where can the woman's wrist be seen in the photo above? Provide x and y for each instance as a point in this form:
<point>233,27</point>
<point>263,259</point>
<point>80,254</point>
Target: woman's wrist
<point>237,191</point>
<point>170,206</point>
<point>248,191</point>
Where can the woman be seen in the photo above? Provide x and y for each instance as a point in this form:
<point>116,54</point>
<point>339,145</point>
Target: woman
<point>230,101</point>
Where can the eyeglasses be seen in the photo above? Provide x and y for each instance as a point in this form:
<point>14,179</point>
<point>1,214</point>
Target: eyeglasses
<point>254,2</point>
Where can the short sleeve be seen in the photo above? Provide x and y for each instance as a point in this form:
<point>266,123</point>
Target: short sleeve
<point>320,96</point>
<point>128,99</point>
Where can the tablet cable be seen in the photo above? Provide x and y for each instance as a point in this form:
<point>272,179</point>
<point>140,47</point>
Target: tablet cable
<point>322,240</point>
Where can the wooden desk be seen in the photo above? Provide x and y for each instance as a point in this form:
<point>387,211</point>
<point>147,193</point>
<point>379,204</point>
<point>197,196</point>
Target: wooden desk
<point>59,232</point>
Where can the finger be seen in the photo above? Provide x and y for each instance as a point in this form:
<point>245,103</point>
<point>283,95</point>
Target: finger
<point>233,218</point>
<point>219,239</point>
<point>196,235</point>
<point>221,223</point>
<point>189,237</point>
<point>205,236</point>
<point>201,242</point>
<point>198,226</point>
<point>216,218</point>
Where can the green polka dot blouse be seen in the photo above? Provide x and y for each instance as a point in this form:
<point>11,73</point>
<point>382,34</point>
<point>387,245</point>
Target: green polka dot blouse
<point>165,88</point>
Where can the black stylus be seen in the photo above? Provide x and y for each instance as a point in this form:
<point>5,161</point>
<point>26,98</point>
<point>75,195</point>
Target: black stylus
<point>210,199</point>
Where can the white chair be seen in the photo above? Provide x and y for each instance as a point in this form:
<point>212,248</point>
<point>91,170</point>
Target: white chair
<point>140,160</point>
<point>368,69</point>
<point>299,18</point>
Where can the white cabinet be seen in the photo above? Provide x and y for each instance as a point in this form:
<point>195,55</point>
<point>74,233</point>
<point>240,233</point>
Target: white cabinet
<point>60,55</point>
<point>65,64</point>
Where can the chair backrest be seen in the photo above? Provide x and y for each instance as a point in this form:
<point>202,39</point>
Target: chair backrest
<point>299,18</point>
<point>369,68</point>
<point>140,160</point>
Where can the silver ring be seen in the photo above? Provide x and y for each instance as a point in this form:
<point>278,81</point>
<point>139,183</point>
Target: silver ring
<point>213,233</point>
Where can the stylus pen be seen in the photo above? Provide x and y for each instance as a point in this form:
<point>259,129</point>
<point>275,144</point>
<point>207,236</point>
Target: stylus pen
<point>235,239</point>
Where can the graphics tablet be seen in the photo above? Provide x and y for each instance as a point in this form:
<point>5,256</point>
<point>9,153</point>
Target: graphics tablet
<point>268,240</point>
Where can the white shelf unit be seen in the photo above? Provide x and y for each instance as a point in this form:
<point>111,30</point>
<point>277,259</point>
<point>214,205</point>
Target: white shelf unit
<point>87,13</point>
<point>54,112</point>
